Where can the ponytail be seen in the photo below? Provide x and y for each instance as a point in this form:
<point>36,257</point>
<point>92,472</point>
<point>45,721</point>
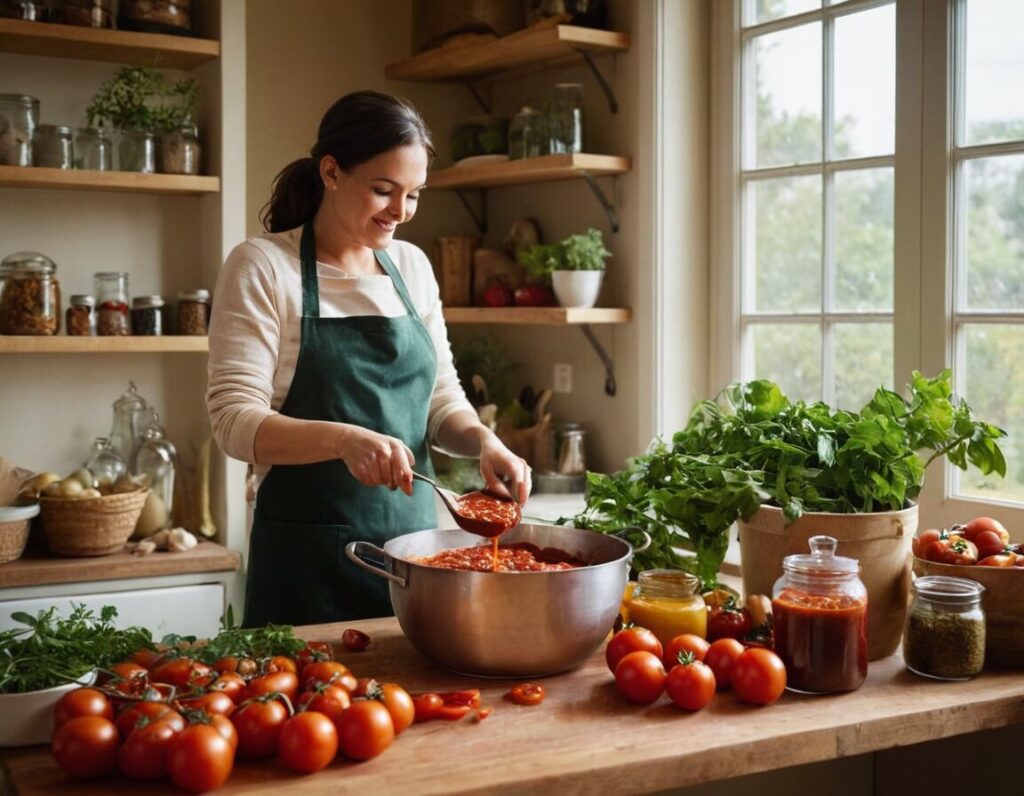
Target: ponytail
<point>295,197</point>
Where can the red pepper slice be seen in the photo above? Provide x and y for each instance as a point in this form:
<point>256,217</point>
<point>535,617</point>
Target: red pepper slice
<point>428,706</point>
<point>453,712</point>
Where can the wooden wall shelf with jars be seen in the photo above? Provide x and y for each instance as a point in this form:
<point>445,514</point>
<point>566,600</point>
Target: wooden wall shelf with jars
<point>89,180</point>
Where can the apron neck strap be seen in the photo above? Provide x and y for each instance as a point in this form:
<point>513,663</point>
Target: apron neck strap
<point>396,278</point>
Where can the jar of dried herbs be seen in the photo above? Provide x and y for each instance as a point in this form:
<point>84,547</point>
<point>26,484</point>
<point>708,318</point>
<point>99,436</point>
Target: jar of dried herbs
<point>944,635</point>
<point>194,312</point>
<point>29,295</point>
<point>81,316</point>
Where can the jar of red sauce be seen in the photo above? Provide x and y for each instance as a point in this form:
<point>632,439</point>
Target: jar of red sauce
<point>820,619</point>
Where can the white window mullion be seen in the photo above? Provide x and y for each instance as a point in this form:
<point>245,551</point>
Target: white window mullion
<point>828,214</point>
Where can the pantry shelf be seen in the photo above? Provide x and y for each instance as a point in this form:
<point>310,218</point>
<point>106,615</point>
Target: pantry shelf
<point>104,345</point>
<point>536,316</point>
<point>119,181</point>
<point>111,46</point>
<point>546,168</point>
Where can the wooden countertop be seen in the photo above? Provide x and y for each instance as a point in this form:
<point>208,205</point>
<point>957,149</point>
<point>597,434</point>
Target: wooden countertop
<point>585,738</point>
<point>36,568</point>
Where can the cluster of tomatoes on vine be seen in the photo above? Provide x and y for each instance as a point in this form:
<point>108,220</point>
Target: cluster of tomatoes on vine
<point>982,541</point>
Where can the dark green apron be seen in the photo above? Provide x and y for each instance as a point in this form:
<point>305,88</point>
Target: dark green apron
<point>369,371</point>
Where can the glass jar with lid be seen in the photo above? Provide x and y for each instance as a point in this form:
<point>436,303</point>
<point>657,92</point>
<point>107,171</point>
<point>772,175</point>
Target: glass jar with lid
<point>147,315</point>
<point>29,10</point>
<point>155,462</point>
<point>156,16</point>
<point>136,151</point>
<point>29,295</point>
<point>563,114</point>
<point>820,620</point>
<point>94,149</point>
<point>668,603</point>
<point>131,416</point>
<point>194,312</point>
<point>52,147</point>
<point>112,303</point>
<point>179,151</point>
<point>944,635</point>
<point>85,13</point>
<point>526,134</point>
<point>19,115</point>
<point>105,464</point>
<point>81,316</point>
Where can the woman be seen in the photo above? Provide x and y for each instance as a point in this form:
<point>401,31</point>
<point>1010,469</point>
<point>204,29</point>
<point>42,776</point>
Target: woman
<point>330,368</point>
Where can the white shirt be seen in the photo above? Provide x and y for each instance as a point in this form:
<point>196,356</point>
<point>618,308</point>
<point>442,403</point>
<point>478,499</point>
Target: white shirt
<point>255,331</point>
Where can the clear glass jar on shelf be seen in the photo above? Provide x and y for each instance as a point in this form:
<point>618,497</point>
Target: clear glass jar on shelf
<point>28,10</point>
<point>563,118</point>
<point>19,116</point>
<point>105,464</point>
<point>526,134</point>
<point>944,635</point>
<point>668,603</point>
<point>29,295</point>
<point>147,315</point>
<point>94,149</point>
<point>179,151</point>
<point>156,16</point>
<point>820,620</point>
<point>53,147</point>
<point>81,316</point>
<point>84,13</point>
<point>136,151</point>
<point>155,463</point>
<point>194,312</point>
<point>132,415</point>
<point>112,303</point>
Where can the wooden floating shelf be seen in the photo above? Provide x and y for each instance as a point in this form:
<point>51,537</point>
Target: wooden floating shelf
<point>87,180</point>
<point>99,44</point>
<point>63,344</point>
<point>524,49</point>
<point>536,316</point>
<point>546,168</point>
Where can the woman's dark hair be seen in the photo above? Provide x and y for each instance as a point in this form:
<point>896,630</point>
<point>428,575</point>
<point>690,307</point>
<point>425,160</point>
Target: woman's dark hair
<point>355,129</point>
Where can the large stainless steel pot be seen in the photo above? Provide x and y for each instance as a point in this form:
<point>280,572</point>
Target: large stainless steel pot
<point>503,624</point>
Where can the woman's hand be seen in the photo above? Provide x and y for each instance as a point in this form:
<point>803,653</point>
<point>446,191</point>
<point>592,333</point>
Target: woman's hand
<point>376,459</point>
<point>504,473</point>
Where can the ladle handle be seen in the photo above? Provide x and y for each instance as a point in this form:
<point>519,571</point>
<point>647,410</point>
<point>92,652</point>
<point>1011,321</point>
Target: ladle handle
<point>375,566</point>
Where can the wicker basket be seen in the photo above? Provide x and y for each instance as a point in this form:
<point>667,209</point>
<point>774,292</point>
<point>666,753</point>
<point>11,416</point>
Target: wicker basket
<point>91,526</point>
<point>14,525</point>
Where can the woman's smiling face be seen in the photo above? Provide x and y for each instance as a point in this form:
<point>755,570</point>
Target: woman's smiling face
<point>367,203</point>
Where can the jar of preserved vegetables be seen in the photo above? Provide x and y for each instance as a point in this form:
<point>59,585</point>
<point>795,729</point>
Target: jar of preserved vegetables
<point>147,315</point>
<point>29,295</point>
<point>944,636</point>
<point>668,603</point>
<point>820,620</point>
<point>81,316</point>
<point>112,303</point>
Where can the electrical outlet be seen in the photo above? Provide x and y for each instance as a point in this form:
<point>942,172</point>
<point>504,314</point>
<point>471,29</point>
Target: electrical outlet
<point>563,378</point>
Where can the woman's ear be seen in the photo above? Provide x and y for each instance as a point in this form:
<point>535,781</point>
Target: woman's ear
<point>329,172</point>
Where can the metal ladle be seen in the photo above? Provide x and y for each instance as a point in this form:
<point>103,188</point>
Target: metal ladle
<point>452,500</point>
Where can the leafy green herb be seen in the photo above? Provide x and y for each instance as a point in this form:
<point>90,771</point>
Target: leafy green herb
<point>51,651</point>
<point>581,252</point>
<point>142,98</point>
<point>249,642</point>
<point>753,445</point>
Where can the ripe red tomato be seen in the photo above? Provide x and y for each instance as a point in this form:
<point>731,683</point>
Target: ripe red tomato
<point>314,651</point>
<point>326,672</point>
<point>497,294</point>
<point>640,677</point>
<point>720,657</point>
<point>399,704</point>
<point>147,713</point>
<point>230,683</point>
<point>923,539</point>
<point>758,676</point>
<point>125,670</point>
<point>355,640</point>
<point>427,706</point>
<point>687,642</point>
<point>989,543</point>
<point>282,663</point>
<point>144,754</point>
<point>365,730</point>
<point>690,686</point>
<point>526,694</point>
<point>632,639</point>
<point>728,621</point>
<point>200,759</point>
<point>971,530</point>
<point>145,658</point>
<point>82,702</point>
<point>211,702</point>
<point>286,683</point>
<point>86,746</point>
<point>331,700</point>
<point>308,742</point>
<point>952,550</point>
<point>259,725</point>
<point>533,296</point>
<point>183,673</point>
<point>1000,560</point>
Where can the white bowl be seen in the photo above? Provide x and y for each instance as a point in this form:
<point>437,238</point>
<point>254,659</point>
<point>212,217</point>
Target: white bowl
<point>28,717</point>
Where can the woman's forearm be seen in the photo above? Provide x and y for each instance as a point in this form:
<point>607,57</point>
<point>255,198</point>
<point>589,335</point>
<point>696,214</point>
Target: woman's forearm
<point>462,434</point>
<point>287,440</point>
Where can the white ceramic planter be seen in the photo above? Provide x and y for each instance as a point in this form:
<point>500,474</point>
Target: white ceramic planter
<point>577,288</point>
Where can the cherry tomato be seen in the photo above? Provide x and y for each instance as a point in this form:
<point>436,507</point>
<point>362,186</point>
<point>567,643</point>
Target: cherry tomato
<point>690,685</point>
<point>144,754</point>
<point>314,651</point>
<point>365,730</point>
<point>183,673</point>
<point>481,714</point>
<point>526,694</point>
<point>355,640</point>
<point>952,550</point>
<point>82,702</point>
<point>971,530</point>
<point>468,696</point>
<point>200,759</point>
<point>145,658</point>
<point>1000,560</point>
<point>282,682</point>
<point>230,683</point>
<point>989,543</point>
<point>427,706</point>
<point>326,672</point>
<point>86,746</point>
<point>308,742</point>
<point>223,725</point>
<point>728,621</point>
<point>640,677</point>
<point>923,539</point>
<point>632,639</point>
<point>399,704</point>
<point>688,642</point>
<point>720,657</point>
<point>331,700</point>
<point>211,702</point>
<point>282,663</point>
<point>140,714</point>
<point>259,725</point>
<point>125,670</point>
<point>758,676</point>
<point>229,663</point>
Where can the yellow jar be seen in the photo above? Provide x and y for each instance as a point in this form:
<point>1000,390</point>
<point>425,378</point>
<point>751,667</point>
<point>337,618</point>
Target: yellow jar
<point>667,602</point>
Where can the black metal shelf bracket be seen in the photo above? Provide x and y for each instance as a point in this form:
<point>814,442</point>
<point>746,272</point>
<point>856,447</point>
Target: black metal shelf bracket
<point>613,104</point>
<point>609,365</point>
<point>613,219</point>
<point>485,104</point>
<point>480,219</point>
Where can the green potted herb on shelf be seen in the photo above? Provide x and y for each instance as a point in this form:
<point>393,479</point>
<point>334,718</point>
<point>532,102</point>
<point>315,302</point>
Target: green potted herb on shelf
<point>574,267</point>
<point>141,103</point>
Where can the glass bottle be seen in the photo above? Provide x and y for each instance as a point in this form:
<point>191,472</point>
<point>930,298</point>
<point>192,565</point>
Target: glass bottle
<point>136,151</point>
<point>19,115</point>
<point>668,603</point>
<point>112,301</point>
<point>81,316</point>
<point>571,454</point>
<point>94,149</point>
<point>29,295</point>
<point>130,413</point>
<point>52,147</point>
<point>156,461</point>
<point>85,13</point>
<point>564,118</point>
<point>105,464</point>
<point>179,151</point>
<point>820,620</point>
<point>944,636</point>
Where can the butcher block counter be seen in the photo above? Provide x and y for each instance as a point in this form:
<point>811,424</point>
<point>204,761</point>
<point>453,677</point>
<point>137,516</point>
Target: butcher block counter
<point>585,738</point>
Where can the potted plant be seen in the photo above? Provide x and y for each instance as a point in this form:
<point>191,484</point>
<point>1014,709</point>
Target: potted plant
<point>574,266</point>
<point>140,103</point>
<point>790,470</point>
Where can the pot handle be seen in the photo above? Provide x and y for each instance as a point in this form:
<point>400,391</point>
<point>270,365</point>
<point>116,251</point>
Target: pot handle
<point>355,552</point>
<point>644,545</point>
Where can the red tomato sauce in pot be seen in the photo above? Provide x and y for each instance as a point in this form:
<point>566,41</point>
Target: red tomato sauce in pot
<point>485,515</point>
<point>514,557</point>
